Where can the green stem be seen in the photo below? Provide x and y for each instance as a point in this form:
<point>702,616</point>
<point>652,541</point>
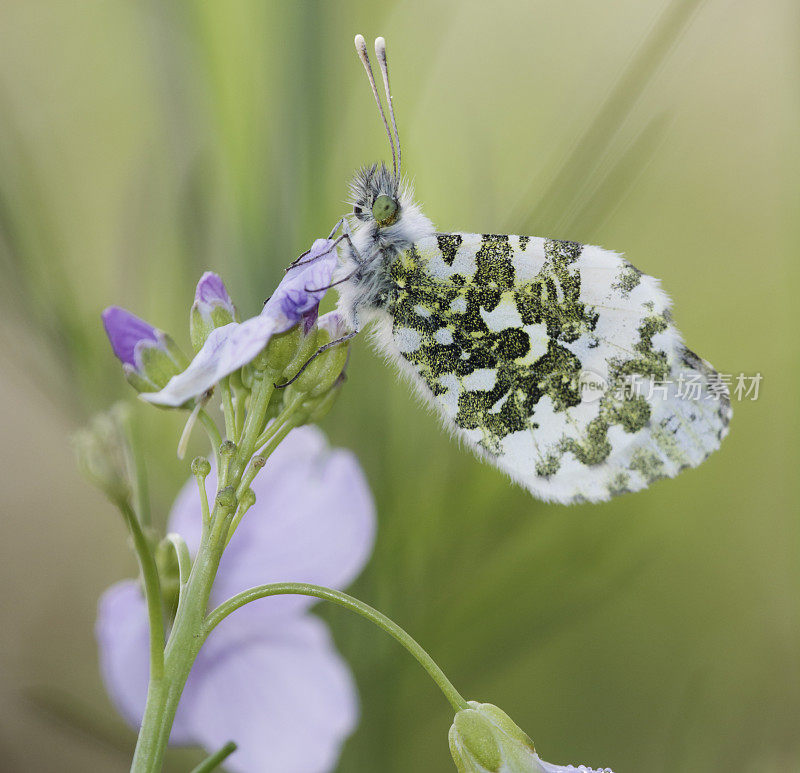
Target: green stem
<point>212,431</point>
<point>266,444</point>
<point>184,643</point>
<point>278,422</point>
<point>239,414</point>
<point>227,409</point>
<point>209,763</point>
<point>141,496</point>
<point>182,554</point>
<point>204,510</point>
<point>259,400</point>
<point>152,590</point>
<point>354,605</point>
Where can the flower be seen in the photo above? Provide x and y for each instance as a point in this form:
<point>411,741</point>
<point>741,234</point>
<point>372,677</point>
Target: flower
<point>484,739</point>
<point>232,346</point>
<point>149,356</point>
<point>212,308</point>
<point>268,677</point>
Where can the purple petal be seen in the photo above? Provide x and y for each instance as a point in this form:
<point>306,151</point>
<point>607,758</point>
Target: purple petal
<point>123,640</point>
<point>304,286</point>
<point>313,521</point>
<point>231,347</point>
<point>333,324</point>
<point>125,331</point>
<point>211,292</point>
<point>279,690</point>
<point>226,349</point>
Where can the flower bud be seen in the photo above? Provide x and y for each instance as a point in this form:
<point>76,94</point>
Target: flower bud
<point>226,499</point>
<point>319,407</point>
<point>286,348</point>
<point>484,739</point>
<point>150,358</point>
<point>227,449</point>
<point>323,371</point>
<point>103,453</point>
<point>248,499</point>
<point>212,308</point>
<point>201,467</point>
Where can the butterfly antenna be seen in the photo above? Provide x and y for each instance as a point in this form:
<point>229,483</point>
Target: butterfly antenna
<point>380,53</point>
<point>361,48</point>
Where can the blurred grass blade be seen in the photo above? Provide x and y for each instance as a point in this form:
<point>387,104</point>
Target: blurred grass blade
<point>215,760</point>
<point>80,718</point>
<point>579,168</point>
<point>591,210</point>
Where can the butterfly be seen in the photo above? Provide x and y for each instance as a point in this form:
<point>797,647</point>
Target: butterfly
<point>557,362</point>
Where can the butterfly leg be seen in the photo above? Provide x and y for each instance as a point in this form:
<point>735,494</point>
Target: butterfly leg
<point>356,257</point>
<point>340,223</point>
<point>316,354</point>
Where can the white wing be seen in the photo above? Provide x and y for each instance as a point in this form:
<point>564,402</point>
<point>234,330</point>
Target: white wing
<point>557,362</point>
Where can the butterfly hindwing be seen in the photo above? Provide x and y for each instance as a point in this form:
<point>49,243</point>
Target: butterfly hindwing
<point>556,361</point>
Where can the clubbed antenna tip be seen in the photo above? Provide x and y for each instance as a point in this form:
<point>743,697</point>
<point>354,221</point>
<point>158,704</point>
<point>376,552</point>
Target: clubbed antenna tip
<point>380,52</point>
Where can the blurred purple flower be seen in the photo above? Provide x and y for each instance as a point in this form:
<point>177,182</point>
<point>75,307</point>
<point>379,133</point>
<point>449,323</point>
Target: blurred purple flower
<point>269,676</point>
<point>232,346</point>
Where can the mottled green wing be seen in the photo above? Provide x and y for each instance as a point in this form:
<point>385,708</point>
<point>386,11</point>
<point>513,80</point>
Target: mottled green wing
<point>558,362</point>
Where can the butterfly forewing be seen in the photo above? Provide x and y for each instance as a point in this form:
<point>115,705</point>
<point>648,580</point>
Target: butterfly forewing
<point>559,362</point>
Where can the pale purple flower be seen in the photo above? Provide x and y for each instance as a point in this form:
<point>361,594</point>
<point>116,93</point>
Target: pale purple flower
<point>269,677</point>
<point>232,346</point>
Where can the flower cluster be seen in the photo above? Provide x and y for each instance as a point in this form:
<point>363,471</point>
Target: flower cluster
<point>288,326</point>
<point>269,676</point>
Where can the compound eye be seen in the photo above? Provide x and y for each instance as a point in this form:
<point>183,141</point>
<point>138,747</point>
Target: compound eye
<point>384,210</point>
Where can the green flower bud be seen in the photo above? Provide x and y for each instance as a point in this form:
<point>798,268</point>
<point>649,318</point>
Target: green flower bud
<point>201,467</point>
<point>319,407</point>
<point>484,739</point>
<point>226,499</point>
<point>248,500</point>
<point>227,449</point>
<point>104,453</point>
<point>320,373</point>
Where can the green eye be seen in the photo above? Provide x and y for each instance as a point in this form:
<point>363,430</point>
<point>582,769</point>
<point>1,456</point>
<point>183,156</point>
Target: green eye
<point>385,210</point>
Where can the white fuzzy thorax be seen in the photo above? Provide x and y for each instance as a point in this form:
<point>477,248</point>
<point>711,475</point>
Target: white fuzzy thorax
<point>377,247</point>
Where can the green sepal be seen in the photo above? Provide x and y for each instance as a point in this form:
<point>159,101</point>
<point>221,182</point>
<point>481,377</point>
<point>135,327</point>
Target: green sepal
<point>477,736</point>
<point>157,366</point>
<point>280,352</point>
<point>201,325</point>
<point>484,739</point>
<point>321,373</point>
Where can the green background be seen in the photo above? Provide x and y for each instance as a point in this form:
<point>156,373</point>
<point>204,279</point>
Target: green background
<point>144,142</point>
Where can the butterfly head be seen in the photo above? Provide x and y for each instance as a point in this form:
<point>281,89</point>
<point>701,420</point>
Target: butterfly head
<point>376,196</point>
